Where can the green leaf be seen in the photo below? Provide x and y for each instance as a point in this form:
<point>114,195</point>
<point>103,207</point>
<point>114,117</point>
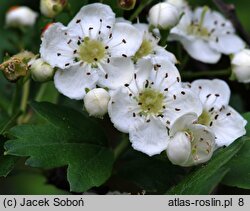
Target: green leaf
<point>151,174</point>
<point>205,178</point>
<point>7,162</point>
<point>239,175</point>
<point>68,138</point>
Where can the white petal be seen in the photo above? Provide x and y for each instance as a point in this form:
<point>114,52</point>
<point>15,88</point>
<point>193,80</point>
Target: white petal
<point>125,41</point>
<point>179,149</point>
<point>166,75</point>
<point>142,27</point>
<point>183,122</point>
<point>228,44</point>
<point>121,110</point>
<point>181,29</point>
<point>143,70</point>
<point>180,102</point>
<point>73,81</point>
<point>161,52</point>
<point>217,22</point>
<point>95,17</point>
<point>229,126</point>
<point>150,138</point>
<point>201,51</point>
<point>118,72</point>
<point>54,48</point>
<point>212,93</point>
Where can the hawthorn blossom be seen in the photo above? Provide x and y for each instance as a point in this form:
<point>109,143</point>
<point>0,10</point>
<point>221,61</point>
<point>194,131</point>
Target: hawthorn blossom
<point>190,143</point>
<point>147,106</point>
<point>149,48</point>
<point>206,35</point>
<point>91,50</point>
<point>226,123</point>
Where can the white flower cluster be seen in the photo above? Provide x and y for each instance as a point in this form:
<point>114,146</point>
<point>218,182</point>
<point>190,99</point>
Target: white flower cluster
<point>146,97</point>
<point>206,35</point>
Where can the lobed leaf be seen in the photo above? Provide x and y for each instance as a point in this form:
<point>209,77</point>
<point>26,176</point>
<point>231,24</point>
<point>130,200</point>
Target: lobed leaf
<point>67,139</point>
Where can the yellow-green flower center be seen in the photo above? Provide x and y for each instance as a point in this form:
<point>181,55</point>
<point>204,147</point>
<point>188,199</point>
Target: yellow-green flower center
<point>91,51</point>
<point>151,101</point>
<point>198,30</point>
<point>145,49</point>
<point>204,118</point>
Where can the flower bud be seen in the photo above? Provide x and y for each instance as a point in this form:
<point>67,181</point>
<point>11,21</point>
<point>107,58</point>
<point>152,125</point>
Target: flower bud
<point>179,149</point>
<point>51,8</point>
<point>20,16</point>
<point>41,71</point>
<point>180,4</point>
<point>164,15</point>
<point>241,66</point>
<point>16,66</point>
<point>127,4</point>
<point>96,102</point>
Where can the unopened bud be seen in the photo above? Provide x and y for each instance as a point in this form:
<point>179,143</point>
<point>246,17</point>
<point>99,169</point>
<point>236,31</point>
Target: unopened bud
<point>41,71</point>
<point>127,4</point>
<point>96,102</point>
<point>241,66</point>
<point>164,15</point>
<point>51,8</point>
<point>16,66</point>
<point>180,4</point>
<point>20,16</point>
<point>179,149</point>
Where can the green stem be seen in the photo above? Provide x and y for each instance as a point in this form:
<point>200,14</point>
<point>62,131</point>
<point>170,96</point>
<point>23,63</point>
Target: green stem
<point>14,100</point>
<point>139,9</point>
<point>25,97</point>
<point>213,73</point>
<point>121,147</point>
<point>41,92</point>
<point>164,37</point>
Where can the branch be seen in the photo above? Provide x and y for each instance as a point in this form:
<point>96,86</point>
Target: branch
<point>230,12</point>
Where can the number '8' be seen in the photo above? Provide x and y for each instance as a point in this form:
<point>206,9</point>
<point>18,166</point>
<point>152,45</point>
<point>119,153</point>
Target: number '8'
<point>241,202</point>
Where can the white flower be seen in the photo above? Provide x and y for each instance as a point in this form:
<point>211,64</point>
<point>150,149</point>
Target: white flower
<point>149,48</point>
<point>51,8</point>
<point>96,102</point>
<point>147,107</point>
<point>92,48</point>
<point>226,123</point>
<point>190,144</point>
<point>164,15</point>
<point>20,16</point>
<point>40,70</point>
<point>241,65</point>
<point>206,34</point>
